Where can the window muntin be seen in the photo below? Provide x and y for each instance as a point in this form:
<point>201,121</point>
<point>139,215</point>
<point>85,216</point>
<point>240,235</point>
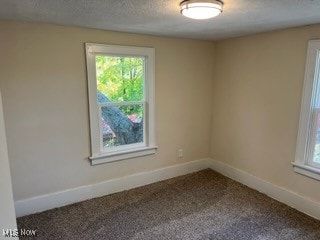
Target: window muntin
<point>121,101</point>
<point>307,160</point>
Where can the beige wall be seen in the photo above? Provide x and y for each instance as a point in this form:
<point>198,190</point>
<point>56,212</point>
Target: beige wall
<point>249,99</point>
<point>256,98</point>
<point>44,85</point>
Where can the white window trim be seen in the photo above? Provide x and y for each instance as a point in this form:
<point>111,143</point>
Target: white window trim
<point>133,150</point>
<point>302,163</point>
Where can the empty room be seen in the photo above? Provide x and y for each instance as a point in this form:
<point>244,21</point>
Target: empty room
<point>168,119</point>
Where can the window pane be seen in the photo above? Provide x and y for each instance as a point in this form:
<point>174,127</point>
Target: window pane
<point>120,78</point>
<point>316,100</point>
<point>316,154</point>
<point>121,125</point>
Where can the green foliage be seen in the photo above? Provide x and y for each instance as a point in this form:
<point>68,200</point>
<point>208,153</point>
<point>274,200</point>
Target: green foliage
<point>121,79</point>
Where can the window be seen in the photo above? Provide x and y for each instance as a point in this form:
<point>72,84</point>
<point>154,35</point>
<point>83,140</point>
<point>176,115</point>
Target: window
<point>307,160</point>
<point>121,101</point>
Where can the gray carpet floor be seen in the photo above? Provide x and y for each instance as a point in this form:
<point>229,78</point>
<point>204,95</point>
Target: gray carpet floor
<point>202,205</point>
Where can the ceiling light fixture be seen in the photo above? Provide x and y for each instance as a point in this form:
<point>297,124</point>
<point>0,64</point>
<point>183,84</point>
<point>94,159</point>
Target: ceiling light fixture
<point>201,9</point>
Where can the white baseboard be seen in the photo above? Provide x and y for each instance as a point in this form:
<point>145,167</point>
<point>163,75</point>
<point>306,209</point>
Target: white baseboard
<point>290,198</point>
<point>69,196</point>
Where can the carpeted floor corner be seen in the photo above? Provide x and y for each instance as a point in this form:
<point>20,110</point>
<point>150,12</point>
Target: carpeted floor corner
<point>202,205</point>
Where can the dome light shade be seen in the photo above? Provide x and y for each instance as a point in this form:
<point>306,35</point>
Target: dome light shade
<point>201,9</point>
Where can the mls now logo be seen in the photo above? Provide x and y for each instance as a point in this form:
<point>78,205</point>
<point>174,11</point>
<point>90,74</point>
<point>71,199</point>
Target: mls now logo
<point>19,232</point>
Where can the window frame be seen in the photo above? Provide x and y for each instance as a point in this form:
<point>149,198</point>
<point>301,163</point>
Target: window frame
<point>303,163</point>
<point>98,155</point>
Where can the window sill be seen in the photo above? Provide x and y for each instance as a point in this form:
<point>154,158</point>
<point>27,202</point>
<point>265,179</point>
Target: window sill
<point>306,170</point>
<point>121,155</point>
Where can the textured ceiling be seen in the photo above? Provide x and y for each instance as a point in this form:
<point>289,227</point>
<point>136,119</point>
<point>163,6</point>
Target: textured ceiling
<point>162,17</point>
